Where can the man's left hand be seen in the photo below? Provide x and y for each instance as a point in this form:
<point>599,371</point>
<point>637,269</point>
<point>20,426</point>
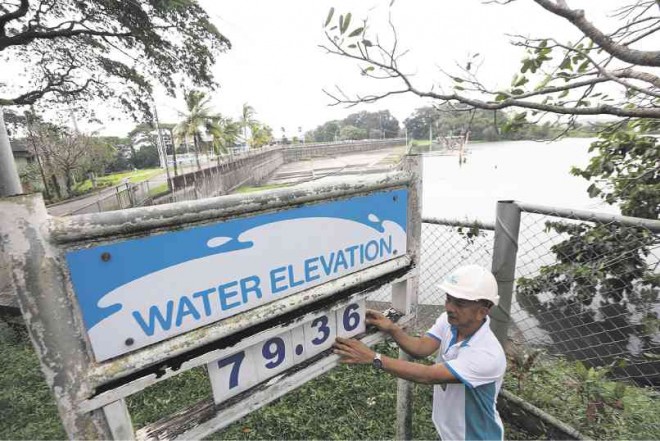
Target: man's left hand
<point>353,351</point>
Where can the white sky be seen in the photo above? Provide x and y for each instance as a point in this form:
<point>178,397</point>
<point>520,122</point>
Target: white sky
<point>276,66</point>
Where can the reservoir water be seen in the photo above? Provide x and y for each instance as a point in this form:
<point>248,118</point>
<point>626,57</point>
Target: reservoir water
<point>527,171</point>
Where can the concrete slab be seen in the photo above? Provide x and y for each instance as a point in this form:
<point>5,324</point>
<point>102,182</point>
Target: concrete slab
<point>351,164</point>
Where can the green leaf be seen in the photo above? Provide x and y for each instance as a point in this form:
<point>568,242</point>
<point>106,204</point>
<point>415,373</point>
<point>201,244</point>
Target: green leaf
<point>522,81</point>
<point>331,12</point>
<point>583,67</point>
<point>459,88</point>
<point>352,46</point>
<point>525,66</point>
<point>457,79</point>
<point>367,43</point>
<point>501,97</point>
<point>346,22</point>
<point>356,32</point>
<point>566,64</point>
<point>593,191</point>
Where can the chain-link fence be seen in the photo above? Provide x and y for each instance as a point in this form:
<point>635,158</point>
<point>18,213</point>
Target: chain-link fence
<point>122,196</point>
<point>446,244</point>
<point>587,286</point>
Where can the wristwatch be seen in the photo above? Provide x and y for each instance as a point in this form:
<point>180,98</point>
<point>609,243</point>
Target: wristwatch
<point>377,362</point>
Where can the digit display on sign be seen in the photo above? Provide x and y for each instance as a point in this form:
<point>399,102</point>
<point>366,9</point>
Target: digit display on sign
<point>243,369</point>
<point>320,333</point>
<point>273,356</point>
<point>351,320</point>
<point>240,371</point>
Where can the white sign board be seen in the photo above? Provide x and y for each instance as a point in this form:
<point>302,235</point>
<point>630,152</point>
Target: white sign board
<point>139,292</point>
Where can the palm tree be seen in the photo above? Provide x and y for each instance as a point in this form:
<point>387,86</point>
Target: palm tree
<point>262,134</point>
<point>224,133</point>
<point>247,120</point>
<point>194,121</point>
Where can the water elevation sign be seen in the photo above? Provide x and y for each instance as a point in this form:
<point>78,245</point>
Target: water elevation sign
<point>138,292</point>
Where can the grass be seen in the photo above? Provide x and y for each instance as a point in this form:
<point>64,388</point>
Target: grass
<point>158,189</point>
<point>349,402</point>
<point>248,189</point>
<point>116,179</point>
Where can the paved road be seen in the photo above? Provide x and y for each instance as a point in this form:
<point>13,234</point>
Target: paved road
<point>71,206</point>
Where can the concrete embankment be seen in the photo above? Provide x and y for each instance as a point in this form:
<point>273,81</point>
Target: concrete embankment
<point>282,165</point>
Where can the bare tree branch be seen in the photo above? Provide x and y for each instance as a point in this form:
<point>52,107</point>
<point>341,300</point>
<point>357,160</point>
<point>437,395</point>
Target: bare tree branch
<point>580,71</point>
<point>18,13</point>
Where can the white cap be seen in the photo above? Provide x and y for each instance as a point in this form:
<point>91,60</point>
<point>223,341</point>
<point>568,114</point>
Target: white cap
<point>471,282</point>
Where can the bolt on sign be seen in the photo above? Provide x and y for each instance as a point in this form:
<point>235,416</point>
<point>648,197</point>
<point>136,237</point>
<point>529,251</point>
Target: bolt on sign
<point>141,291</point>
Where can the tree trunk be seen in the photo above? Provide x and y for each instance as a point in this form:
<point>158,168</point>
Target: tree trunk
<point>56,186</point>
<point>43,175</point>
<point>37,156</point>
<point>199,167</point>
<point>176,170</point>
<point>69,183</point>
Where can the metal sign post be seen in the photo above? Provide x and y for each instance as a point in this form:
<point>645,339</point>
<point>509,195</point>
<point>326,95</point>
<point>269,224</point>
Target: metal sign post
<point>10,183</point>
<point>118,301</point>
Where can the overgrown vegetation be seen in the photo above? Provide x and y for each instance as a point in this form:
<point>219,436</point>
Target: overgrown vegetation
<point>584,397</point>
<point>250,189</point>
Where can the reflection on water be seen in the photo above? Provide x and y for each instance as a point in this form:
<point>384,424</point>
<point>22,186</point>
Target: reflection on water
<point>538,173</point>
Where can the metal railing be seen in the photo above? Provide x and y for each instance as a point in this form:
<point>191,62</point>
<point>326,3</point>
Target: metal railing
<point>125,195</point>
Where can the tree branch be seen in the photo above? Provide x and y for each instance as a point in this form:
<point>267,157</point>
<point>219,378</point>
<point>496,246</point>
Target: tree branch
<point>18,13</point>
<point>603,109</point>
<point>577,18</point>
<point>29,36</point>
<point>510,102</point>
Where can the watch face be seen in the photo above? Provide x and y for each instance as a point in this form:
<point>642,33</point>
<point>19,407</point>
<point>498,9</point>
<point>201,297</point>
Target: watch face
<point>377,363</point>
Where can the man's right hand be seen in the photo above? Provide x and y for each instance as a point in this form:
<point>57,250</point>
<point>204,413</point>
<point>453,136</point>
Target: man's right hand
<point>379,320</point>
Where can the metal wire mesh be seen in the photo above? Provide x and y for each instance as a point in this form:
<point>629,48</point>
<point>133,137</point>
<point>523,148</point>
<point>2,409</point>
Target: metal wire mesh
<point>590,291</point>
<point>125,196</point>
<point>446,244</point>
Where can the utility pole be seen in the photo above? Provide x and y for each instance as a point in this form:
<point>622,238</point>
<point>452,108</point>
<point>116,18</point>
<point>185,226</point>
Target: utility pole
<point>10,183</point>
<point>431,135</point>
<point>163,148</point>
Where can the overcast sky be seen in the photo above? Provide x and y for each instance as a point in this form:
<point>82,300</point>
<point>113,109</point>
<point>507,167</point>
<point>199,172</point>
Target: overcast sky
<point>277,67</point>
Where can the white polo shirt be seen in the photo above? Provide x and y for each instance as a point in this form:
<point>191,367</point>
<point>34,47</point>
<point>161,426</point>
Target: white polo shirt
<point>466,410</point>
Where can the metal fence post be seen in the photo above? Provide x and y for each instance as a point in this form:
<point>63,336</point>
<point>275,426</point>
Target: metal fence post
<point>10,183</point>
<point>404,294</point>
<point>505,250</point>
<point>41,287</point>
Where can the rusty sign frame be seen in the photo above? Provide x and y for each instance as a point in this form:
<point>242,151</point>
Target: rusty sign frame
<point>90,395</point>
